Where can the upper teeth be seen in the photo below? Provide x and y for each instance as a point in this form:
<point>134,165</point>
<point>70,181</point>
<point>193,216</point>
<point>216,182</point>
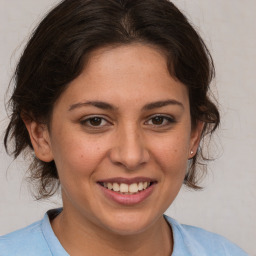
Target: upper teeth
<point>125,188</point>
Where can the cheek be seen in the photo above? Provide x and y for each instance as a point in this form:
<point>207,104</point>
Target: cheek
<point>76,166</point>
<point>76,156</point>
<point>171,153</point>
<point>171,156</point>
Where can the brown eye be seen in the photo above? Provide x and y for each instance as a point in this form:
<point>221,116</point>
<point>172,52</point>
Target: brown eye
<point>158,120</point>
<point>95,121</point>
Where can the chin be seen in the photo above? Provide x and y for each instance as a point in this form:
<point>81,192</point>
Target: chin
<point>128,223</point>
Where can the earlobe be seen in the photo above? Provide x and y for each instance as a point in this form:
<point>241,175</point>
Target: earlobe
<point>195,138</point>
<point>39,136</point>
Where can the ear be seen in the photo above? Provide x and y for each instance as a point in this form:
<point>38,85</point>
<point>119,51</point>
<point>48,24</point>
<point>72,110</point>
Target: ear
<point>40,139</point>
<point>195,138</point>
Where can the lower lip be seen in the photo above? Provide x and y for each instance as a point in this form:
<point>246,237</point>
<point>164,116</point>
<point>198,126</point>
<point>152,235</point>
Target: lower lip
<point>128,199</point>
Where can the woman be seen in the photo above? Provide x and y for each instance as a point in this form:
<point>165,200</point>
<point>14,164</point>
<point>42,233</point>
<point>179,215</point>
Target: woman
<point>112,98</point>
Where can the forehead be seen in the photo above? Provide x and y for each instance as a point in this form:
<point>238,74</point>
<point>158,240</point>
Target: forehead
<point>132,58</point>
<point>129,74</point>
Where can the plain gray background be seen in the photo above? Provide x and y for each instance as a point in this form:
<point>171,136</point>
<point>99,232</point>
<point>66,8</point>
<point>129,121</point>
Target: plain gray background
<point>227,205</point>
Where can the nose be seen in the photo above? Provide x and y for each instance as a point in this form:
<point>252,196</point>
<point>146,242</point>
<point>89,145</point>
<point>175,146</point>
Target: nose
<point>129,149</point>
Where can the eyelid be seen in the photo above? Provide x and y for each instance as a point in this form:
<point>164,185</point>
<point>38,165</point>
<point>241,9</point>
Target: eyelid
<point>161,115</point>
<point>170,118</point>
<point>84,120</point>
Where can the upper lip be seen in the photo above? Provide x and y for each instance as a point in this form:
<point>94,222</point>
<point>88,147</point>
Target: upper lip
<point>128,181</point>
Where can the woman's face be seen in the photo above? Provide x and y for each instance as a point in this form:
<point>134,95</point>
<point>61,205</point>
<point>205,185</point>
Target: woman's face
<point>121,138</point>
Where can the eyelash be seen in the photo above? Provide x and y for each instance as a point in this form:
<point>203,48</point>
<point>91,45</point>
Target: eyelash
<point>167,120</point>
<point>86,121</point>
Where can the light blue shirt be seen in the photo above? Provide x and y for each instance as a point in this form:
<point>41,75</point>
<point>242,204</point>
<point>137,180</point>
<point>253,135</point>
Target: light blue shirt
<point>39,239</point>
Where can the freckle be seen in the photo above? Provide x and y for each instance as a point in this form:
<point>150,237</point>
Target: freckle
<point>82,156</point>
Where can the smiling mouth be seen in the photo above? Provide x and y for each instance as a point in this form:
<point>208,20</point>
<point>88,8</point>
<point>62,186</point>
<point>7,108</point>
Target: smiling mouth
<point>126,189</point>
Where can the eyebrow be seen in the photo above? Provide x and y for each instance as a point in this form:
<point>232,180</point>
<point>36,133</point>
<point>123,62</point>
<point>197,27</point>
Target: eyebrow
<point>160,104</point>
<point>107,106</point>
<point>97,104</point>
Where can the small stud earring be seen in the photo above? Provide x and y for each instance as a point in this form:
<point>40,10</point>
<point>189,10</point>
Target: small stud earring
<point>191,152</point>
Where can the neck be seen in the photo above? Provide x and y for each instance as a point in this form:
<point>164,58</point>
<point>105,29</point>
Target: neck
<point>78,236</point>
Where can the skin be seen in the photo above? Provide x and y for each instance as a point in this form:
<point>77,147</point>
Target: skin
<point>127,141</point>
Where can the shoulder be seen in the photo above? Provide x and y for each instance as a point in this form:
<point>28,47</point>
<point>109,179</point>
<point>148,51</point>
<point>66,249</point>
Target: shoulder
<point>27,241</point>
<point>197,241</point>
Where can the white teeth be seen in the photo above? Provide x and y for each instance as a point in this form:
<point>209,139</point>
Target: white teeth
<point>125,188</point>
<point>110,186</point>
<point>116,187</point>
<point>133,188</point>
<point>140,186</point>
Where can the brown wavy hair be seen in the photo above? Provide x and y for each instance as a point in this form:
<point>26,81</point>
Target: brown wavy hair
<point>59,46</point>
